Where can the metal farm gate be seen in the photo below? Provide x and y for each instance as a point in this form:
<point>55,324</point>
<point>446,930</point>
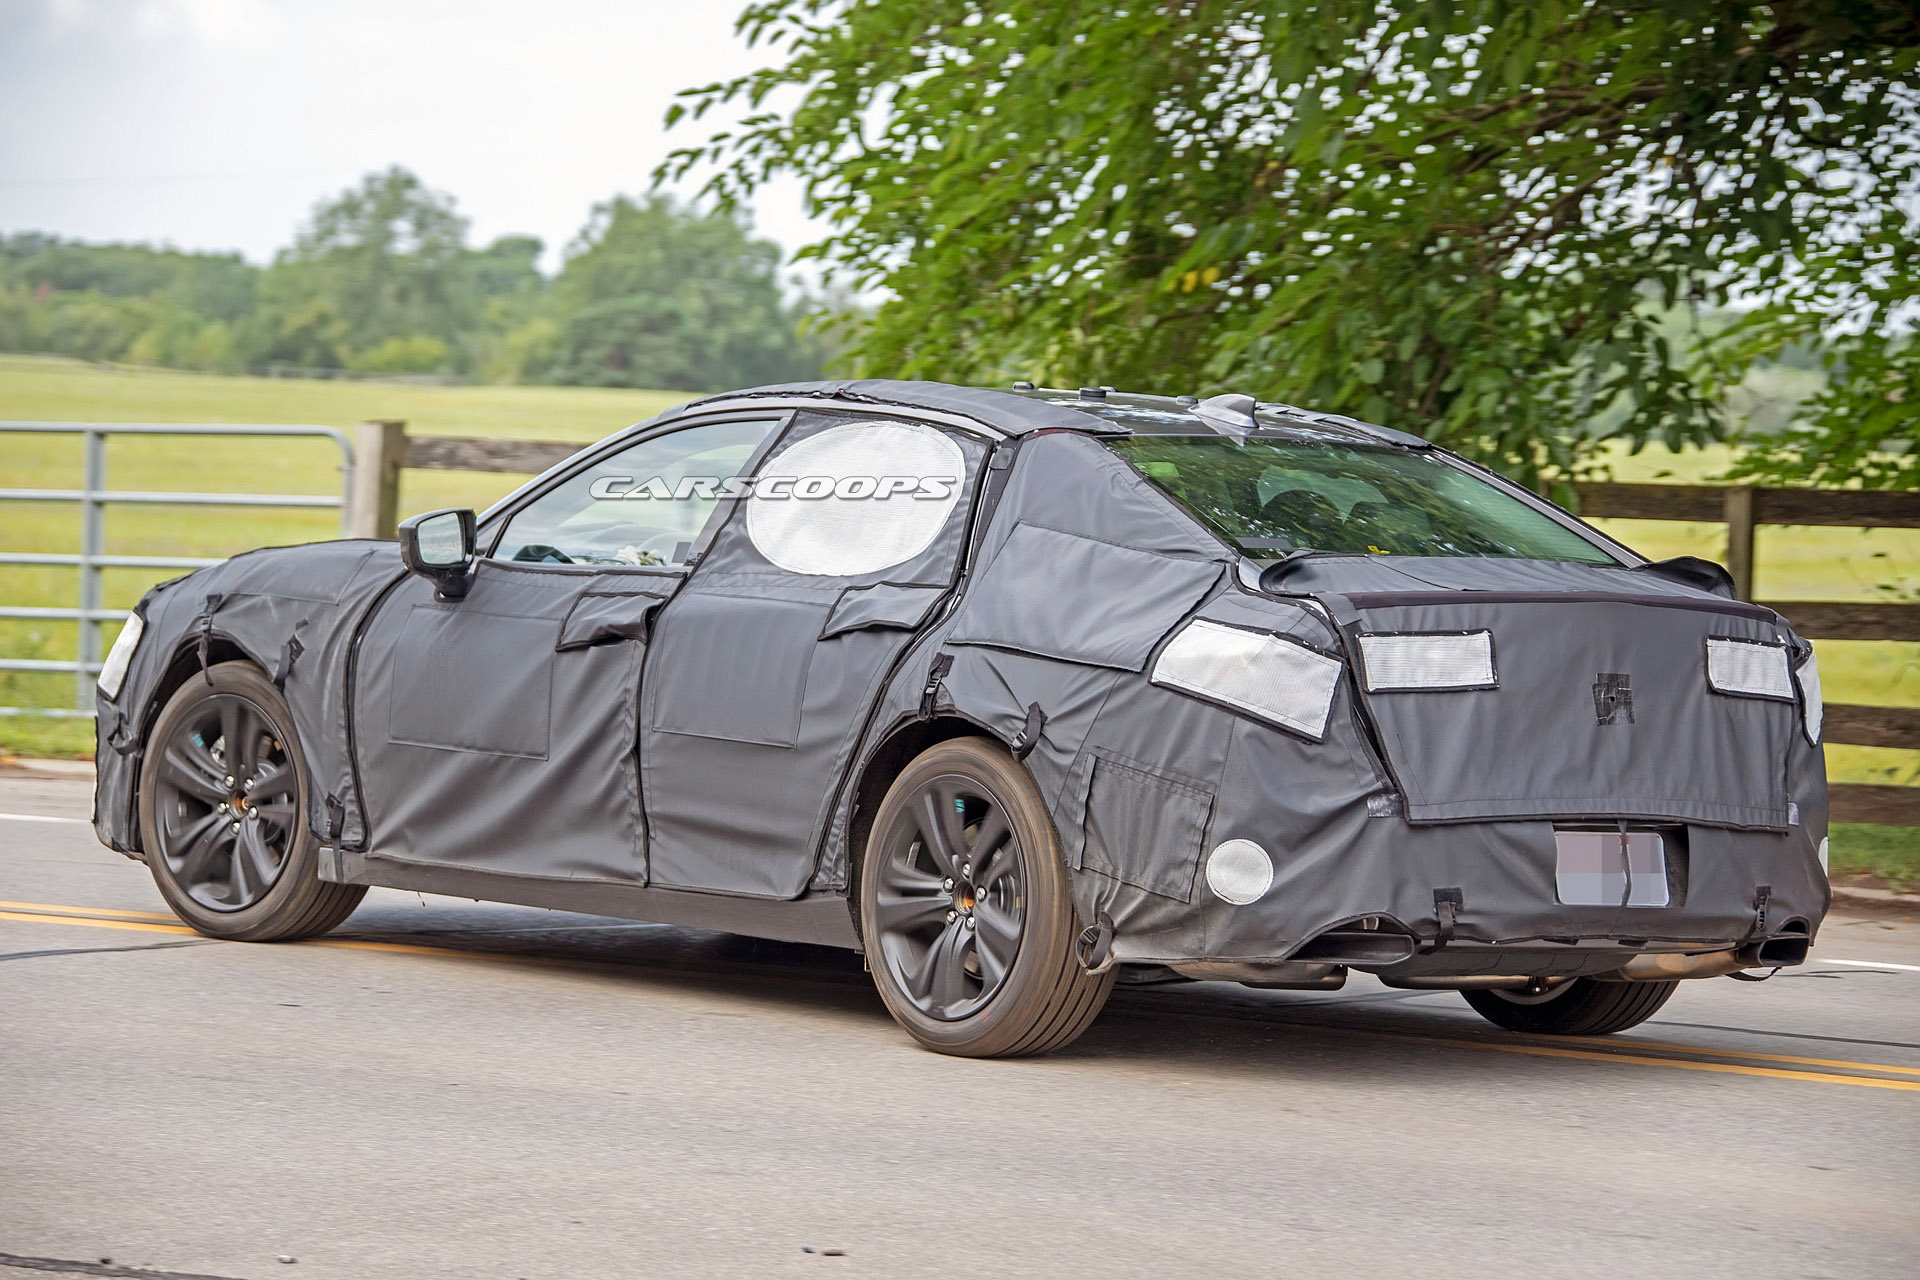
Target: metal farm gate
<point>93,498</point>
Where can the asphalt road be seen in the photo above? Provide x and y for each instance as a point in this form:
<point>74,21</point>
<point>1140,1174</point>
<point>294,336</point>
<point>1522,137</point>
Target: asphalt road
<point>450,1089</point>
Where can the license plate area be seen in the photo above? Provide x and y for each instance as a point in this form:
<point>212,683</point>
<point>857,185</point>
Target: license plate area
<point>1605,867</point>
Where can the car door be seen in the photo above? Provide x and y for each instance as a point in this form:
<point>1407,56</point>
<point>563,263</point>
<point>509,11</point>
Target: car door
<point>766,664</point>
<point>497,732</point>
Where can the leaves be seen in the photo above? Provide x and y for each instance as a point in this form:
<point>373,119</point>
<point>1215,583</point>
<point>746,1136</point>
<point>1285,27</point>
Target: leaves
<point>1468,220</point>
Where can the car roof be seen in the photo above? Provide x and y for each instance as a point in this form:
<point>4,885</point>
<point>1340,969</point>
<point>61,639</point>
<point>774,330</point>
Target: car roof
<point>1024,408</point>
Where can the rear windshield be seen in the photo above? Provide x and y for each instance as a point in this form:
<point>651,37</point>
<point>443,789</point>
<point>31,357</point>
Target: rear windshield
<point>1273,497</point>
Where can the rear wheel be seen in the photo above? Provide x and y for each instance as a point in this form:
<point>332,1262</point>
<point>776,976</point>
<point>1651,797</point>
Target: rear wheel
<point>967,913</point>
<point>223,803</point>
<point>1582,1007</point>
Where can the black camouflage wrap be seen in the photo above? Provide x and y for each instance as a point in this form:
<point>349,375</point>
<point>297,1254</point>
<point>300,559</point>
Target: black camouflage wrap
<point>713,731</point>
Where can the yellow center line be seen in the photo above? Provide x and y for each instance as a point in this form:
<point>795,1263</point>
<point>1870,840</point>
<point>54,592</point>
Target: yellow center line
<point>1626,1045</point>
<point>40,916</point>
<point>58,910</point>
<point>1777,1073</point>
<point>137,926</point>
<point>39,913</point>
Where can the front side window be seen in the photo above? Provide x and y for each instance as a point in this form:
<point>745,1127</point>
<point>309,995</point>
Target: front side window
<point>645,505</point>
<point>1273,497</point>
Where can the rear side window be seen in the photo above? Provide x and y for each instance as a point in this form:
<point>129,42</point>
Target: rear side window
<point>855,498</point>
<point>1272,497</point>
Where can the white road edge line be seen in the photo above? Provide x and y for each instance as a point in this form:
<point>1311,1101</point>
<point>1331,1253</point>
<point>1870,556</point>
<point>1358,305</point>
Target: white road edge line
<point>40,817</point>
<point>1869,964</point>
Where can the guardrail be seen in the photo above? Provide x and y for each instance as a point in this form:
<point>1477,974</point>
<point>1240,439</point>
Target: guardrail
<point>94,498</point>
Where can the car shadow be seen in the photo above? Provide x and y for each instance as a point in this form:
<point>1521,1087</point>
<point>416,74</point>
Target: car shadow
<point>1189,1026</point>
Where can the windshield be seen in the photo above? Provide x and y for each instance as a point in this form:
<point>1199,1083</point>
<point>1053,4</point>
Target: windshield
<point>1272,497</point>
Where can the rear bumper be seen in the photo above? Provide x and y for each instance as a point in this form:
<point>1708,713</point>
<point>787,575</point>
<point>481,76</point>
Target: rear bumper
<point>1478,899</point>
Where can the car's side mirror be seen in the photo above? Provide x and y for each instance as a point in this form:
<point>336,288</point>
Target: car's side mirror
<point>438,545</point>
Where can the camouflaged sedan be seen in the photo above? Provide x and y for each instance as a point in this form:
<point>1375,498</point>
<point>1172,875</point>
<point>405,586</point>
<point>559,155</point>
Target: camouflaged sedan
<point>1020,692</point>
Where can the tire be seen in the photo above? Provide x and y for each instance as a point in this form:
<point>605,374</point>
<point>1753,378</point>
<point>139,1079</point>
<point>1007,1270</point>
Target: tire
<point>1582,1007</point>
<point>967,913</point>
<point>223,804</point>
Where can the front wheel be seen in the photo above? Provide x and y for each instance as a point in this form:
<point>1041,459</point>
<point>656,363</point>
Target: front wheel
<point>967,913</point>
<point>223,804</point>
<point>1582,1007</point>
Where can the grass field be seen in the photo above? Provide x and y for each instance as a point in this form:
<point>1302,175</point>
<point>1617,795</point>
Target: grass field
<point>1808,564</point>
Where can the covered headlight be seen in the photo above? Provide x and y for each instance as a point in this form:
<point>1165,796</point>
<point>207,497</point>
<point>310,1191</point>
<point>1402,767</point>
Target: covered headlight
<point>1411,661</point>
<point>1812,710</point>
<point>1749,668</point>
<point>1267,676</point>
<point>113,672</point>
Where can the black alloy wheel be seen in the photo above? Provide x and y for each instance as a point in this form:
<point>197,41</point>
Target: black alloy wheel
<point>222,813</point>
<point>966,911</point>
<point>225,797</point>
<point>951,902</point>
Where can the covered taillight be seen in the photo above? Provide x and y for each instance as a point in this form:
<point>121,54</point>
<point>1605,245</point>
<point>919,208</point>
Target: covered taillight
<point>1264,675</point>
<point>1749,668</point>
<point>1407,662</point>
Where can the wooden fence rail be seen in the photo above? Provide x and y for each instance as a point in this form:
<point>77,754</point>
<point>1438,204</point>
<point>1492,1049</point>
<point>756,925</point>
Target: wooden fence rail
<point>383,448</point>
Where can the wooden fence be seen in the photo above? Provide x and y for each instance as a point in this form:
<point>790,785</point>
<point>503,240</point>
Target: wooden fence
<point>1742,508</point>
<point>383,448</point>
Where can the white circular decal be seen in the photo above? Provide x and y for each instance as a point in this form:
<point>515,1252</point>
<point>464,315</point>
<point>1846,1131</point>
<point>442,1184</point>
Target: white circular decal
<point>1239,872</point>
<point>856,498</point>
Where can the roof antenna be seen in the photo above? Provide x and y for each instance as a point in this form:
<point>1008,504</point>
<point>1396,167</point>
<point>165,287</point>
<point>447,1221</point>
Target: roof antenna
<point>1230,414</point>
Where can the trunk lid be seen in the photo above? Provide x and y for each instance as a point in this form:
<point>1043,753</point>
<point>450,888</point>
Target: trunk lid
<point>1602,708</point>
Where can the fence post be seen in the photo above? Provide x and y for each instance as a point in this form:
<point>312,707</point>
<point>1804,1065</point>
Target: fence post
<point>1738,507</point>
<point>379,451</point>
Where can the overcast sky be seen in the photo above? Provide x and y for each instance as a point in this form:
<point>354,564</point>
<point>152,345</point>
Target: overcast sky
<point>217,124</point>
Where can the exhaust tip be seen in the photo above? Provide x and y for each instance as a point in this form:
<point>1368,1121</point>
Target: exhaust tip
<point>1356,947</point>
<point>1788,947</point>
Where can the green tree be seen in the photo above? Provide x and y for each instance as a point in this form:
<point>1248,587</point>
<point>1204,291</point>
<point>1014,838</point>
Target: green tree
<point>299,331</point>
<point>170,330</point>
<point>523,353</point>
<point>654,295</point>
<point>217,285</point>
<point>513,340</point>
<point>509,268</point>
<point>16,318</point>
<point>117,301</point>
<point>386,259</point>
<point>414,353</point>
<point>212,347</point>
<point>1464,219</point>
<point>381,280</point>
<point>89,325</point>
